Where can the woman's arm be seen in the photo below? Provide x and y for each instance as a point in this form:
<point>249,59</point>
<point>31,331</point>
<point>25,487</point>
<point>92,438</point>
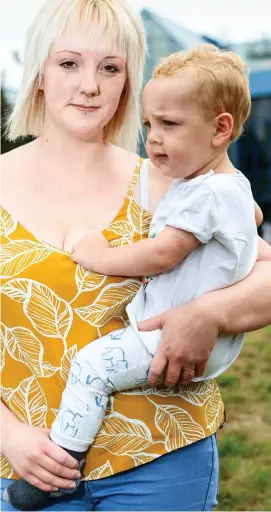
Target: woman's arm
<point>190,331</point>
<point>264,251</point>
<point>246,306</point>
<point>33,456</point>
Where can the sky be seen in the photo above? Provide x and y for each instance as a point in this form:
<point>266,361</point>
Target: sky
<point>227,20</point>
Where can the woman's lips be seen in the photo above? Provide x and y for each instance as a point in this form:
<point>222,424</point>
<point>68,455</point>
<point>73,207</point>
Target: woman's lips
<point>85,108</point>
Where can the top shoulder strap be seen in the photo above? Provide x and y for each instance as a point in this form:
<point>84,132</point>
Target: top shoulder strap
<point>133,183</point>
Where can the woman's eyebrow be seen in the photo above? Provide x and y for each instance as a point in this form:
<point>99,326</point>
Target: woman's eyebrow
<point>113,57</point>
<point>80,55</point>
<point>69,51</point>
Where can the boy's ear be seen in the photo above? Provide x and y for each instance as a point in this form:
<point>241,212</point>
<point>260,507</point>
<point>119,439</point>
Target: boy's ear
<point>223,129</point>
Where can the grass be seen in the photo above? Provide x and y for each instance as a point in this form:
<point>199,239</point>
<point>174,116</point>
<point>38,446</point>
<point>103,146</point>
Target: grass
<point>245,441</point>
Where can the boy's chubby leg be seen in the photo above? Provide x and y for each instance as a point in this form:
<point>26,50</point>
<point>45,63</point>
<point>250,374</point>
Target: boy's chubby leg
<point>79,500</point>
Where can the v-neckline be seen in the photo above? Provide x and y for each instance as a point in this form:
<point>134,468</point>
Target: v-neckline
<point>128,195</point>
<point>54,247</point>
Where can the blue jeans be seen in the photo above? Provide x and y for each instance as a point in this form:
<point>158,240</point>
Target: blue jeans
<point>186,479</point>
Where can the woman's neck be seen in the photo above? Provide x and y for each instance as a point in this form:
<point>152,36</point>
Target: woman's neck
<point>67,151</point>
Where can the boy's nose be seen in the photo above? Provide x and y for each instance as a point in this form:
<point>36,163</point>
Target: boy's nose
<point>154,137</point>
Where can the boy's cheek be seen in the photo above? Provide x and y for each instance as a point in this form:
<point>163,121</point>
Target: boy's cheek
<point>149,151</point>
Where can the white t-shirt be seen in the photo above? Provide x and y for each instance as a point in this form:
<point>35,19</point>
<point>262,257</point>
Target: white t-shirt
<point>219,210</point>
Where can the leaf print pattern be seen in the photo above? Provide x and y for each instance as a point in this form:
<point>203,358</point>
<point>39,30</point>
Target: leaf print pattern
<point>171,419</point>
<point>214,410</point>
<point>120,242</point>
<point>143,458</point>
<point>122,228</point>
<point>7,224</point>
<point>101,472</point>
<point>51,308</point>
<point>66,362</point>
<point>197,393</point>
<point>110,303</point>
<point>87,281</point>
<point>2,347</point>
<point>54,411</point>
<point>17,256</point>
<point>15,290</point>
<point>120,435</point>
<point>23,346</point>
<point>6,470</point>
<point>49,314</point>
<point>5,393</point>
<point>138,217</point>
<point>29,403</point>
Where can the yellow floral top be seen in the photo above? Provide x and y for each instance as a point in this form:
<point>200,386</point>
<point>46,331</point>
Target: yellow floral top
<point>52,307</point>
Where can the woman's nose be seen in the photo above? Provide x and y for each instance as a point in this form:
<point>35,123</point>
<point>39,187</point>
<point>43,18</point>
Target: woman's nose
<point>89,85</point>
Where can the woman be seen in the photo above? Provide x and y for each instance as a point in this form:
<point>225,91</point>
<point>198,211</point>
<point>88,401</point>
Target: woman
<point>79,97</point>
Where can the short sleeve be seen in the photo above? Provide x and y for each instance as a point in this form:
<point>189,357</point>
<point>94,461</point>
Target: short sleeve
<point>195,210</point>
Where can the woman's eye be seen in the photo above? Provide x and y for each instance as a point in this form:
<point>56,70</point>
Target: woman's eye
<point>109,68</point>
<point>68,64</point>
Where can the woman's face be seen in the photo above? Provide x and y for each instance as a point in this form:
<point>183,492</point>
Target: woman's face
<point>82,87</point>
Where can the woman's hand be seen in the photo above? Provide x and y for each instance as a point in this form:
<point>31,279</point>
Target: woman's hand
<point>190,331</point>
<point>34,457</point>
<point>189,334</point>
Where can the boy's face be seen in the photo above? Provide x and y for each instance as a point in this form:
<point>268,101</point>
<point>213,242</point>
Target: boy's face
<point>179,138</point>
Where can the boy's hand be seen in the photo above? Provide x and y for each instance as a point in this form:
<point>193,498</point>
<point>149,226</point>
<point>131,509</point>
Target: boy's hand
<point>89,251</point>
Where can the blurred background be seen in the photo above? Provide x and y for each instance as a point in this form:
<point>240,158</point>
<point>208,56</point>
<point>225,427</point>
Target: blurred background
<point>245,27</point>
<point>242,25</point>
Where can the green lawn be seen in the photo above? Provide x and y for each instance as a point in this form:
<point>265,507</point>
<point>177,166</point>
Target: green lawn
<point>245,441</point>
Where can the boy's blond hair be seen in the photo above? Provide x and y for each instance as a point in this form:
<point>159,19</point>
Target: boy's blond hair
<point>119,24</point>
<point>221,84</point>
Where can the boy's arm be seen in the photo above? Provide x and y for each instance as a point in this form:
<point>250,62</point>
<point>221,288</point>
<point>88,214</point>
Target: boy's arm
<point>146,257</point>
<point>258,214</point>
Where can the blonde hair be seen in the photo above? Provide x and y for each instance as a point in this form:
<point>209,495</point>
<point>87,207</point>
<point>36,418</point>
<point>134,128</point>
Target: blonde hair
<point>115,19</point>
<point>221,81</point>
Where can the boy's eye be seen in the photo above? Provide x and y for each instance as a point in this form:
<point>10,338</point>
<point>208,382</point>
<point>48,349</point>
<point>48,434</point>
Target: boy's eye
<point>168,123</point>
<point>68,64</point>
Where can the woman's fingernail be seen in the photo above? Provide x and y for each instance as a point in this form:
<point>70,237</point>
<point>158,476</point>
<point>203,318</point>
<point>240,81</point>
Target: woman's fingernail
<point>78,474</point>
<point>73,485</point>
<point>55,489</point>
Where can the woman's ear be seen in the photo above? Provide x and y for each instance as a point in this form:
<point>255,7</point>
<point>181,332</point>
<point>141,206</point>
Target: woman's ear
<point>223,129</point>
<point>41,84</point>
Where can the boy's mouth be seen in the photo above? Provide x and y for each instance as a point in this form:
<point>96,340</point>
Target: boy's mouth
<point>160,155</point>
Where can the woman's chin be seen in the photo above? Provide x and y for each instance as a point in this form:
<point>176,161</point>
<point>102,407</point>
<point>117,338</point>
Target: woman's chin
<point>85,131</point>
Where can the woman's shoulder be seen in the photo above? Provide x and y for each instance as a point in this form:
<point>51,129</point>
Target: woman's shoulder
<point>158,183</point>
<point>15,159</point>
<point>123,155</point>
<point>13,169</point>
